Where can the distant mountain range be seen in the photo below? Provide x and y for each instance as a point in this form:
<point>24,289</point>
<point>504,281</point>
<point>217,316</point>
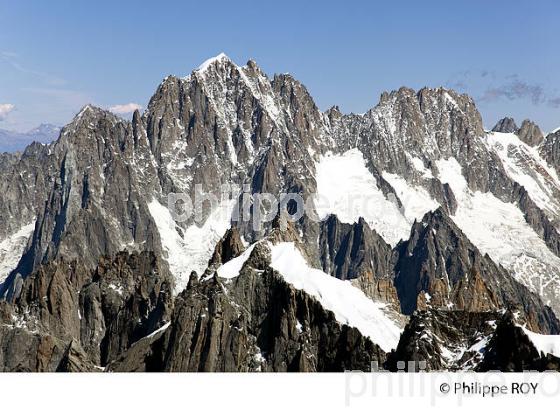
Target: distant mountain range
<point>12,141</point>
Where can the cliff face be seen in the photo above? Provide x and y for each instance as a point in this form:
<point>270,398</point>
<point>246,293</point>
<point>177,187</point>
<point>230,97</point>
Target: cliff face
<point>70,317</point>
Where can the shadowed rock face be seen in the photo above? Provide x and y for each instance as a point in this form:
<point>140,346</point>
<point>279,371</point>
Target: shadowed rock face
<point>436,340</point>
<point>229,247</point>
<point>350,250</point>
<point>438,267</point>
<point>457,340</point>
<point>507,125</point>
<point>72,318</point>
<point>356,252</point>
<point>510,350</point>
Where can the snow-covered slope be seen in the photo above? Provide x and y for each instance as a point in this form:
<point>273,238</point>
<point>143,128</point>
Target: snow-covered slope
<point>500,229</point>
<point>11,249</point>
<point>190,249</point>
<point>546,344</point>
<point>232,268</point>
<point>416,201</point>
<point>524,165</point>
<point>347,189</point>
<point>349,304</point>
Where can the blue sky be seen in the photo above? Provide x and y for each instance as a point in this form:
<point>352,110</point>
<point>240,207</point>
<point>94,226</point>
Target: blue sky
<point>56,56</point>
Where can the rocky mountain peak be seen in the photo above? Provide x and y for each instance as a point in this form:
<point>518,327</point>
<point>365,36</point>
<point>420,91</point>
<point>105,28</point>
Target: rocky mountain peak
<point>252,64</point>
<point>550,149</point>
<point>440,261</point>
<point>89,116</point>
<point>530,133</point>
<point>214,62</point>
<point>34,149</point>
<point>506,125</point>
<point>93,133</point>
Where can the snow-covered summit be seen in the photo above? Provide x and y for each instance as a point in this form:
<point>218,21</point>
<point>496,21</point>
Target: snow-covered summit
<point>222,57</point>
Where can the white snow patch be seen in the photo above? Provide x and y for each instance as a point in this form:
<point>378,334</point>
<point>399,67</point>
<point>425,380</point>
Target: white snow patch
<point>481,344</point>
<point>231,268</point>
<point>547,344</point>
<point>346,188</point>
<point>210,61</point>
<point>11,249</point>
<point>161,329</point>
<point>419,166</point>
<point>193,249</point>
<point>117,288</point>
<point>416,201</point>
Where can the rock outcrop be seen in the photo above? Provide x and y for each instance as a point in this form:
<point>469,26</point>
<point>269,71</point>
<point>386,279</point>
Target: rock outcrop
<point>458,340</point>
<point>85,317</point>
<point>511,350</point>
<point>550,150</point>
<point>436,340</point>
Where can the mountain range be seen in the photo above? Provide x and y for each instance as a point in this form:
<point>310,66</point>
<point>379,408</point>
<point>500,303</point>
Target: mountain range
<point>13,141</point>
<point>430,239</point>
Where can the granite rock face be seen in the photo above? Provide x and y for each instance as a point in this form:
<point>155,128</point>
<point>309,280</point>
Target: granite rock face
<point>227,248</point>
<point>550,150</point>
<point>455,340</point>
<point>352,249</point>
<point>95,205</point>
<point>437,340</point>
<point>72,318</point>
<point>511,350</point>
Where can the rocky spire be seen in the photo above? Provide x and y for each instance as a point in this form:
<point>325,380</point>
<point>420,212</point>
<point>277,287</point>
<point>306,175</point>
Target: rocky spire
<point>506,124</point>
<point>530,133</point>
